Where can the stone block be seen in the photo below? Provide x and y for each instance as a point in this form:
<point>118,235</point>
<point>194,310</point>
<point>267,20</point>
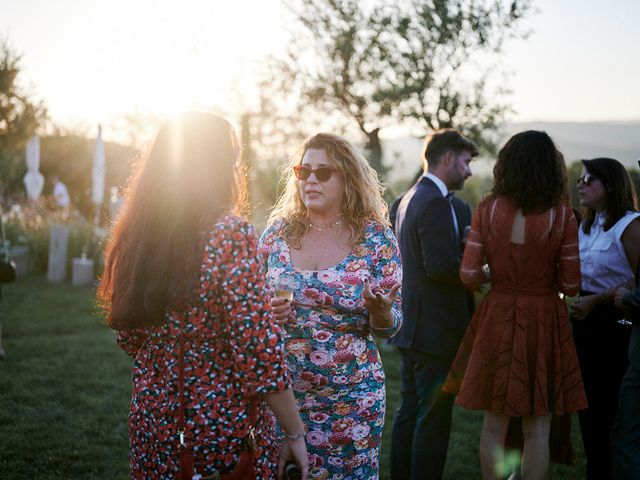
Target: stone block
<point>82,272</point>
<point>57,266</point>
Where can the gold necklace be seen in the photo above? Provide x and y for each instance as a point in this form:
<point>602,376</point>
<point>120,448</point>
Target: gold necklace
<point>325,229</point>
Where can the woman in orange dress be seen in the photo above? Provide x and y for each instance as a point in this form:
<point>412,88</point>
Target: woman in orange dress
<point>517,358</point>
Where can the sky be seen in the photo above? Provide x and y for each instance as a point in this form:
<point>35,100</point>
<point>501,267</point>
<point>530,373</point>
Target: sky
<point>92,61</point>
<point>95,60</point>
<point>581,62</point>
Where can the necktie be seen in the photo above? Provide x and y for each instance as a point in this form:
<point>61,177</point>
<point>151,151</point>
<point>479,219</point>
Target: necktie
<point>449,197</point>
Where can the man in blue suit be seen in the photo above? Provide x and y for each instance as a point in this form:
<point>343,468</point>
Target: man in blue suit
<point>430,224</point>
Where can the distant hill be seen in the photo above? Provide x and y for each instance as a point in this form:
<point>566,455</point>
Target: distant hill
<point>619,140</point>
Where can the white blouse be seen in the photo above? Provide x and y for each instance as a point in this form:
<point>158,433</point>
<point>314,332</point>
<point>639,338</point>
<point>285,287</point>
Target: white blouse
<point>603,262</point>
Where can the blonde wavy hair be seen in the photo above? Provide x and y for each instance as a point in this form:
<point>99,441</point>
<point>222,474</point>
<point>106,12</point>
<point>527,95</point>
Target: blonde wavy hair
<point>363,202</point>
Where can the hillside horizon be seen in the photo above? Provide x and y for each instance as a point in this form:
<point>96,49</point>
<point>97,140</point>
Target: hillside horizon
<point>576,140</point>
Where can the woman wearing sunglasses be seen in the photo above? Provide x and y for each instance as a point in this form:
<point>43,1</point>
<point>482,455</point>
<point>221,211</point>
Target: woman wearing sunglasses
<point>609,253</point>
<point>329,231</point>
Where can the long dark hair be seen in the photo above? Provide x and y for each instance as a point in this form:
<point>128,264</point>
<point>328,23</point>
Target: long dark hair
<point>621,194</point>
<point>531,171</point>
<point>189,178</point>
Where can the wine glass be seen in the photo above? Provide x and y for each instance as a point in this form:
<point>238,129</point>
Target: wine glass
<point>628,285</point>
<point>465,233</point>
<point>285,284</point>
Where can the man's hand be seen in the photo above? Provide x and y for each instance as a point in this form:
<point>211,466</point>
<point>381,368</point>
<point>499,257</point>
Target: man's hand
<point>617,296</point>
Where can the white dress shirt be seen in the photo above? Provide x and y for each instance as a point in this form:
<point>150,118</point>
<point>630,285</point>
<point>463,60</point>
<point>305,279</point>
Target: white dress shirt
<point>445,191</point>
<point>603,262</point>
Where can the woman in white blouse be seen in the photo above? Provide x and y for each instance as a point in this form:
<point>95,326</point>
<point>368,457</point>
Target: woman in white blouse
<point>609,253</point>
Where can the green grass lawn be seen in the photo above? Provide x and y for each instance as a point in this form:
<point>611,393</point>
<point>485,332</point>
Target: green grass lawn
<point>65,389</point>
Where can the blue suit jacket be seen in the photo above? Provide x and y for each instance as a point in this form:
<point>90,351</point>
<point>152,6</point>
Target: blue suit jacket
<point>435,305</point>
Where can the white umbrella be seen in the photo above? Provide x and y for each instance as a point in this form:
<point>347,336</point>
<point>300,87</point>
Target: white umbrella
<point>33,179</point>
<point>98,174</point>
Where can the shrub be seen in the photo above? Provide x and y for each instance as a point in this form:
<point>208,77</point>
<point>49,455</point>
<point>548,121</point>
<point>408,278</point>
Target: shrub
<point>30,225</point>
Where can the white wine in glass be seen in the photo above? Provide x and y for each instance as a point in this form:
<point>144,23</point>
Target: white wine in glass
<point>284,287</point>
<point>288,294</point>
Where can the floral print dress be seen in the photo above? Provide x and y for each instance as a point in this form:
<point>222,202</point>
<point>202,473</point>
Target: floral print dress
<point>233,350</point>
<point>332,357</point>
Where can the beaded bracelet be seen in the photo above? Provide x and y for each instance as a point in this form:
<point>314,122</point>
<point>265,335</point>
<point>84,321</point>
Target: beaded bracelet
<point>384,332</point>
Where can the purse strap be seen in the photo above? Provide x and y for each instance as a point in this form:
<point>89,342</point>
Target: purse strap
<point>249,439</point>
<point>181,416</point>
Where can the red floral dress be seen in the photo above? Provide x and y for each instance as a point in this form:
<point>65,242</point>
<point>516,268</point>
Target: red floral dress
<point>233,350</point>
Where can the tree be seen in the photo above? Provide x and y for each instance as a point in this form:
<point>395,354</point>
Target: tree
<point>19,119</point>
<point>268,135</point>
<point>380,63</point>
<point>438,42</point>
<point>70,157</point>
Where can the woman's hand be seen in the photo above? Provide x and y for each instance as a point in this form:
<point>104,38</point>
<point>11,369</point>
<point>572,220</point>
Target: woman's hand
<point>378,304</point>
<point>581,306</point>
<point>283,405</point>
<point>282,310</point>
<point>295,450</point>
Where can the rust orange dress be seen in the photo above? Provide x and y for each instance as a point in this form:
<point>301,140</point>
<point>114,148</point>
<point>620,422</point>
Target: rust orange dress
<point>517,357</point>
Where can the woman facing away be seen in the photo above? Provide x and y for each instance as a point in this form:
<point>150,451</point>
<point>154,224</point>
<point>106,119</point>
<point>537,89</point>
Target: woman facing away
<point>517,358</point>
<point>609,252</point>
<point>185,291</point>
<point>329,233</point>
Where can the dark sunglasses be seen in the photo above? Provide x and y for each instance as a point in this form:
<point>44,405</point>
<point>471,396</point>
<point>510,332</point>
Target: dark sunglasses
<point>586,179</point>
<point>302,172</point>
